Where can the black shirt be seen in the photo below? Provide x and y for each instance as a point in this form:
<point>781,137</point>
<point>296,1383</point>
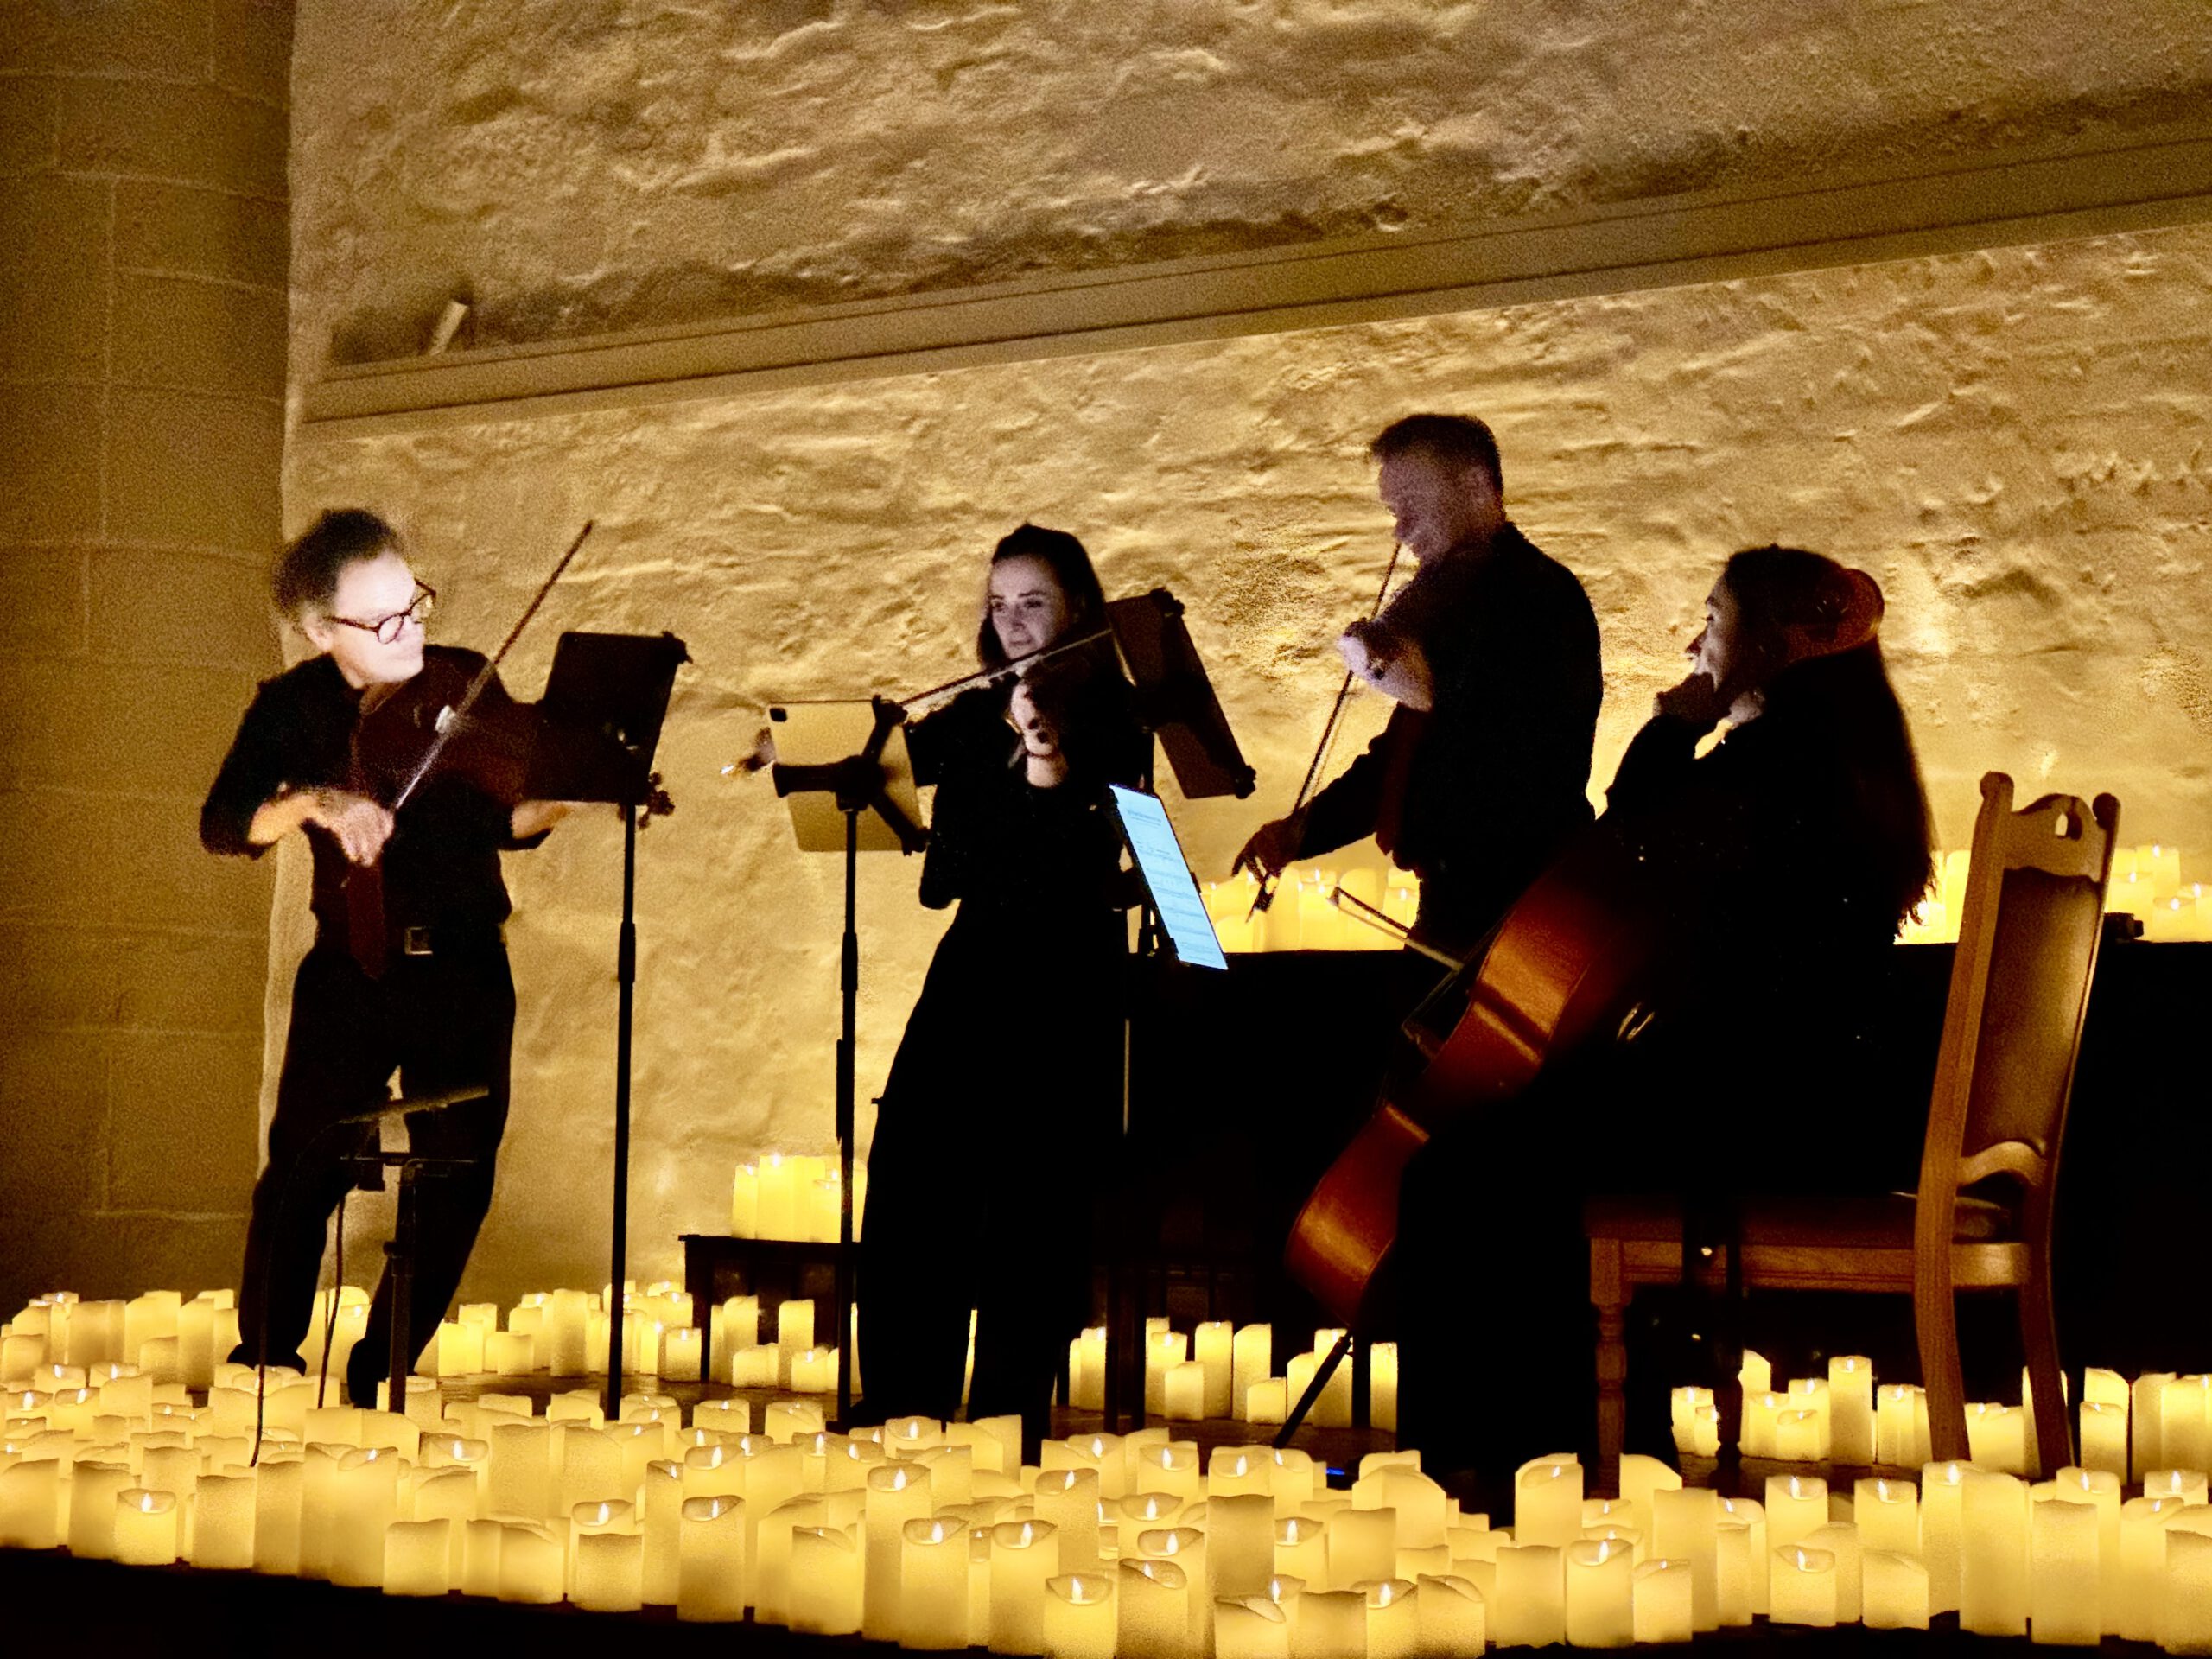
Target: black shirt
<point>441,865</point>
<point>1493,784</point>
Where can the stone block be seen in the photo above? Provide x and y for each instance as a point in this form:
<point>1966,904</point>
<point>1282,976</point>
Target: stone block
<point>53,259</point>
<point>193,135</point>
<point>55,858</point>
<point>124,978</point>
<point>188,608</point>
<point>158,875</point>
<point>253,49</point>
<point>53,1110</point>
<point>194,335</point>
<point>150,37</point>
<point>42,596</point>
<point>51,448</point>
<point>201,232</point>
<point>183,1120</point>
<point>117,728</point>
<point>27,126</point>
<point>186,468</point>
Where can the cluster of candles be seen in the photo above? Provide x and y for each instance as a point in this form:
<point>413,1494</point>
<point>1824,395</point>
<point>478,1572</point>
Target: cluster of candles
<point>1223,1370</point>
<point>1304,916</point>
<point>2146,883</point>
<point>793,1196</point>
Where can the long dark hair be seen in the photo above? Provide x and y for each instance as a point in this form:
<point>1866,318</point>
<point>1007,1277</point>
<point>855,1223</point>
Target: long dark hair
<point>1842,700</point>
<point>1070,567</point>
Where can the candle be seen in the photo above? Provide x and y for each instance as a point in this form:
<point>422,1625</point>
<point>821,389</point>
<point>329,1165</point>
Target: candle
<point>1548,1503</point>
<point>1154,1618</point>
<point>1660,1601</point>
<point>532,1564</point>
<point>417,1558</point>
<point>1803,1587</point>
<point>1363,1547</point>
<point>1393,1618</point>
<point>814,1370</point>
<point>364,1500</point>
<point>2104,1437</point>
<point>1794,1505</point>
<point>1993,1564</point>
<point>1251,1360</point>
<point>1451,1616</point>
<point>1798,1436</point>
<point>1241,1532</point>
<point>933,1584</point>
<point>710,1560</point>
<point>30,1496</point>
<point>519,1480</point>
<point>897,1493</point>
<point>1087,1369</point>
<point>1894,1436</point>
<point>222,1521</point>
<point>1685,1528</point>
<point>1079,1616</point>
<point>1302,1549</point>
<point>1694,1436</point>
<point>1184,1393</point>
<point>1850,1410</point>
<point>1997,1438</point>
<point>1251,1627</point>
<point>2064,1593</point>
<point>2185,1610</point>
<point>1599,1595</point>
<point>1328,1624</point>
<point>1888,1514</point>
<point>1840,1539</point>
<point>1068,1499</point>
<point>1213,1349</point>
<point>1942,1524</point>
<point>2145,1451</point>
<point>1268,1401</point>
<point>279,1487</point>
<point>1333,1409</point>
<point>1163,1349</point>
<point>1024,1554</point>
<point>1172,1470</point>
<point>2143,1524</point>
<point>1422,1510</point>
<point>1530,1607</point>
<point>1752,1514</point>
<point>145,1526</point>
<point>825,1582</point>
<point>1737,1564</point>
<point>2187,1484</point>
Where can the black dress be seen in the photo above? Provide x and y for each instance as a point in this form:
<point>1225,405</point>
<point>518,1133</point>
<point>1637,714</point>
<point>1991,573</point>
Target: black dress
<point>1763,1031</point>
<point>1003,1105</point>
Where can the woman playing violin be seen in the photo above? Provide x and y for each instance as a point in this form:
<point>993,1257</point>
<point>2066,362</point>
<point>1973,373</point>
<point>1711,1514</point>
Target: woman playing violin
<point>418,983</point>
<point>1004,1098</point>
<point>1781,864</point>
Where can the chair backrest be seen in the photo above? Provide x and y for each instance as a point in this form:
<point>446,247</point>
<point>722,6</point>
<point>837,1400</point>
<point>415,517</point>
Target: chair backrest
<point>2027,950</point>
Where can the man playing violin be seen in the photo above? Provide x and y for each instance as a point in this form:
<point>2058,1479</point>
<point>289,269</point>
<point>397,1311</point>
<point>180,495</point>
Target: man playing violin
<point>417,983</point>
<point>1490,654</point>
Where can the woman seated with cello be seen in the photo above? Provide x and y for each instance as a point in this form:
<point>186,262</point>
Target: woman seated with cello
<point>1776,869</point>
<point>1003,1105</point>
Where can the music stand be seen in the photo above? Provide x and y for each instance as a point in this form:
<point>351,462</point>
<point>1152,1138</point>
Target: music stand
<point>1175,700</point>
<point>875,782</point>
<point>604,703</point>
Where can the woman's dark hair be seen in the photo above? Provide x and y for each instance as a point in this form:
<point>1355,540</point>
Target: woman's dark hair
<point>1070,567</point>
<point>307,572</point>
<point>1844,701</point>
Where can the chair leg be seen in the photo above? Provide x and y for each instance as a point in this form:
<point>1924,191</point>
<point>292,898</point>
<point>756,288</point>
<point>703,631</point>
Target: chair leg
<point>2039,1341</point>
<point>1607,1295</point>
<point>1936,1319</point>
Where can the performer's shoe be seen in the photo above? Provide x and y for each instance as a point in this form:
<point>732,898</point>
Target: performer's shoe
<point>243,1355</point>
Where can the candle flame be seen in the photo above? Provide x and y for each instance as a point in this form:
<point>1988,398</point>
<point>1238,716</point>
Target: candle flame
<point>1801,1560</point>
<point>1605,1549</point>
<point>1028,1535</point>
<point>1881,1490</point>
<point>1795,1490</point>
<point>936,1532</point>
<point>146,1502</point>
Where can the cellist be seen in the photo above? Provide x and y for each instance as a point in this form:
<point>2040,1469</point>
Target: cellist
<point>419,983</point>
<point>1490,654</point>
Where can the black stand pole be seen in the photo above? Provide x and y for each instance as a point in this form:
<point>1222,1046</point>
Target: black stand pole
<point>848,984</point>
<point>625,980</point>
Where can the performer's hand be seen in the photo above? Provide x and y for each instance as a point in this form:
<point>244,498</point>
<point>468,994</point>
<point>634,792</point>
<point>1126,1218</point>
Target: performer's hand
<point>1273,846</point>
<point>1698,701</point>
<point>361,825</point>
<point>1395,666</point>
<point>528,818</point>
<point>1043,763</point>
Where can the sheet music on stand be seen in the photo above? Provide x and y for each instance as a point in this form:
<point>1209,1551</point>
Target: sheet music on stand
<point>1167,878</point>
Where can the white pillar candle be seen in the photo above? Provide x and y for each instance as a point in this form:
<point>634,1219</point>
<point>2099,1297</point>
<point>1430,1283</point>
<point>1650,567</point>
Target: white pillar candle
<point>1173,1469</point>
<point>1850,1410</point>
<point>1068,1500</point>
<point>1840,1540</point>
<point>1213,1346</point>
<point>2143,1523</point>
<point>1660,1601</point>
<point>1393,1618</point>
<point>222,1521</point>
<point>1241,1538</point>
<point>1183,1393</point>
<point>1452,1618</point>
<point>1794,1505</point>
<point>786,1422</point>
<point>1333,1409</point>
<point>1893,1587</point>
<point>1251,1361</point>
<point>2187,1484</point>
<point>2064,1588</point>
<point>365,1501</point>
<point>279,1490</point>
<point>1942,1531</point>
<point>1762,1412</point>
<point>1803,1590</point>
<point>1640,1477</point>
<point>1599,1611</point>
<point>1153,1619</point>
<point>1079,1618</point>
<point>2100,1489</point>
<point>825,1582</point>
<point>1163,1349</point>
<point>510,1353</point>
<point>2184,1624</point>
<point>1251,1627</point>
<point>814,1370</point>
<point>897,1493</point>
<point>1997,1438</point>
<point>2184,1436</point>
<point>1302,1549</point>
<point>609,1571</point>
<point>933,1584</point>
<point>1750,1514</point>
<point>1888,1514</point>
<point>90,1525</point>
<point>145,1526</point>
<point>710,1560</point>
<point>1422,1509</point>
<point>2145,1448</point>
<point>1087,1369</point>
<point>532,1563</point>
<point>1800,1436</point>
<point>1994,1562</point>
<point>1023,1555</point>
<point>1894,1437</point>
<point>520,1476</point>
<point>1735,1566</point>
<point>1685,1528</point>
<point>1363,1547</point>
<point>417,1558</point>
<point>1238,1471</point>
<point>31,1505</point>
<point>1382,1386</point>
<point>660,1576</point>
<point>1548,1503</point>
<point>1329,1625</point>
<point>2104,1437</point>
<point>1689,1440</point>
<point>1530,1607</point>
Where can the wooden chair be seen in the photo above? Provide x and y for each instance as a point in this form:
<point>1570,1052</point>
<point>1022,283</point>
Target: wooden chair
<point>2013,1026</point>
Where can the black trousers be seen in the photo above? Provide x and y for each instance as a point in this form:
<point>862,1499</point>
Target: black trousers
<point>999,1120</point>
<point>444,1021</point>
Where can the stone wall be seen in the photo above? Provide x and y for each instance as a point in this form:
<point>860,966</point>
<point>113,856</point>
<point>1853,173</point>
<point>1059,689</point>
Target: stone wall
<point>143,262</point>
<point>2011,441</point>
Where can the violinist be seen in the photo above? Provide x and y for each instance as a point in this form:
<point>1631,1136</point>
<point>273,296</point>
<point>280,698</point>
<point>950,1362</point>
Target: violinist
<point>419,983</point>
<point>1779,865</point>
<point>1490,654</point>
<point>1009,1074</point>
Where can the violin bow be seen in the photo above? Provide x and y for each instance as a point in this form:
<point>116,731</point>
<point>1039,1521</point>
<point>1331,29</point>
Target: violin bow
<point>1265,896</point>
<point>454,716</point>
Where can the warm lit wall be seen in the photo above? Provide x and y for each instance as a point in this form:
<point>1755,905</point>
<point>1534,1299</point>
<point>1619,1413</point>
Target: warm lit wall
<point>142,380</point>
<point>2011,441</point>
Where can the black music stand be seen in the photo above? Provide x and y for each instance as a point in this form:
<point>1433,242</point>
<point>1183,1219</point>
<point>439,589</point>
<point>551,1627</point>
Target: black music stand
<point>858,783</point>
<point>1175,700</point>
<point>604,703</point>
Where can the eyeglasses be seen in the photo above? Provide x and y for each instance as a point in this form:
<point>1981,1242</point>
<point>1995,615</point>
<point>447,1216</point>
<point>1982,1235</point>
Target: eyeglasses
<point>387,628</point>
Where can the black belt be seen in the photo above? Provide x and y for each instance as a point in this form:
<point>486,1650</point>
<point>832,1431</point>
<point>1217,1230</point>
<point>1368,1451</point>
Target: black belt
<point>446,940</point>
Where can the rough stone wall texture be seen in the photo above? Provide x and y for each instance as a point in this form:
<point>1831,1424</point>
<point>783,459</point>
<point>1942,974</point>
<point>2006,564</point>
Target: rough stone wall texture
<point>2011,441</point>
<point>143,280</point>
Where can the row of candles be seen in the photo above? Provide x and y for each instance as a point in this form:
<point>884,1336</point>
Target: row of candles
<point>1303,914</point>
<point>2125,1428</point>
<point>2146,883</point>
<point>936,1536</point>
